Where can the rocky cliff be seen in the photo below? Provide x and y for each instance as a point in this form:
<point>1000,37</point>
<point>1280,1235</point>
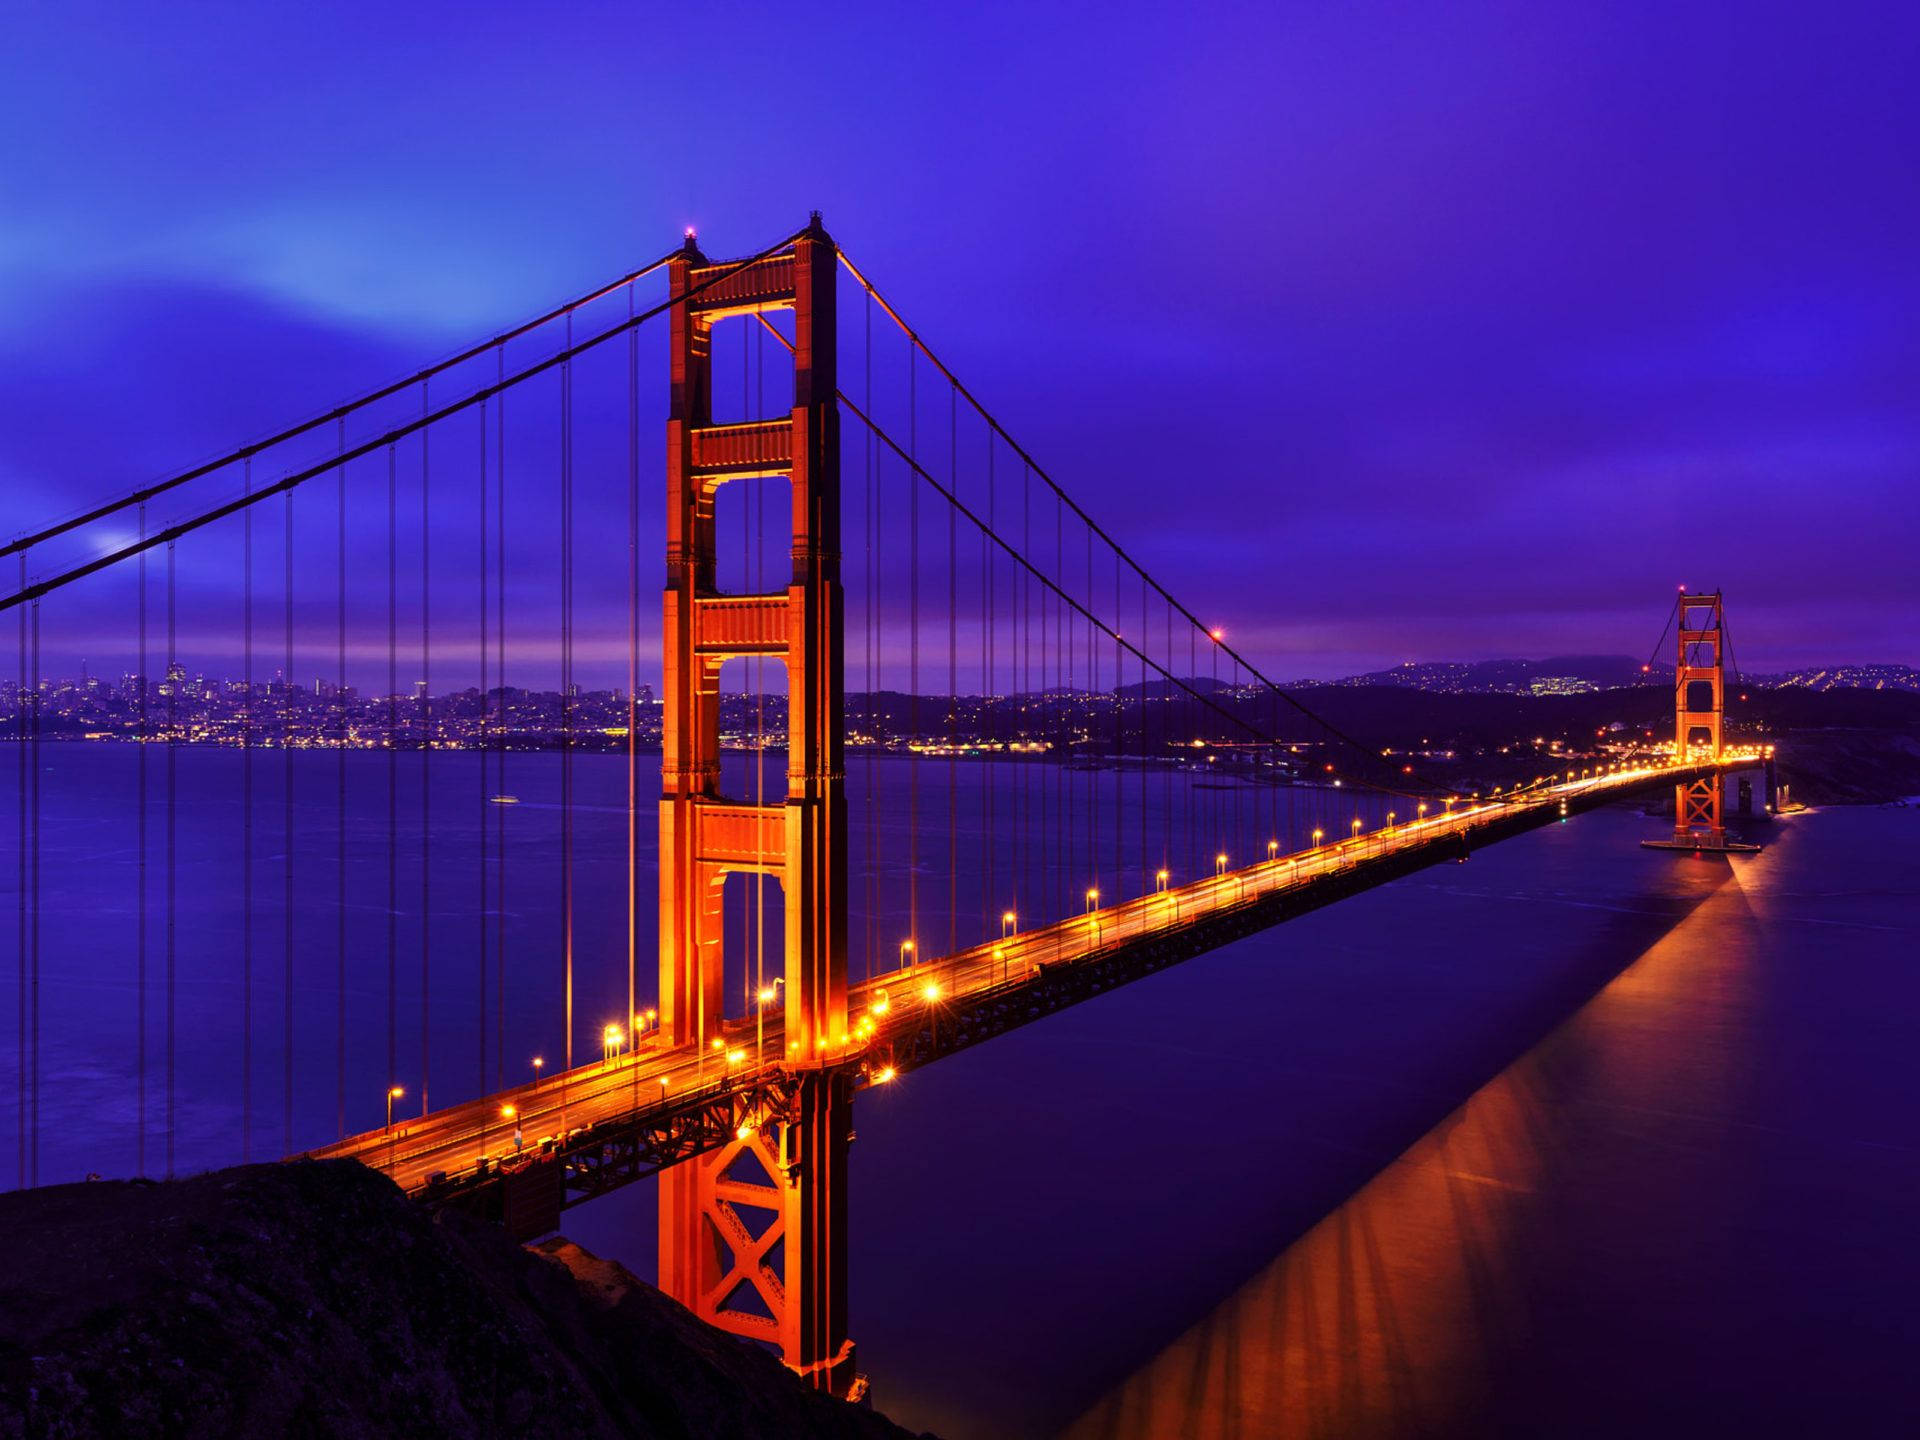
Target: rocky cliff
<point>312,1299</point>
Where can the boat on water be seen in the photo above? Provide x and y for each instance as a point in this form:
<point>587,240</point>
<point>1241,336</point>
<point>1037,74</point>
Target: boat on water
<point>504,799</point>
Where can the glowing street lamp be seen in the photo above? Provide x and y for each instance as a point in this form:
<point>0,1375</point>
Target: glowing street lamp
<point>906,950</point>
<point>1273,848</point>
<point>1318,836</point>
<point>1160,880</point>
<point>393,1093</point>
<point>1009,924</point>
<point>768,994</point>
<point>1093,898</point>
<point>610,1041</point>
<point>537,1064</point>
<point>1220,863</point>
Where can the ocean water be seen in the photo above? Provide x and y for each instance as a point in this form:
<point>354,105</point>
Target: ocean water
<point>1574,1138</point>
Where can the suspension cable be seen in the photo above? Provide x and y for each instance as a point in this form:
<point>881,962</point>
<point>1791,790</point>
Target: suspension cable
<point>378,442</point>
<point>337,413</point>
<point>922,347</point>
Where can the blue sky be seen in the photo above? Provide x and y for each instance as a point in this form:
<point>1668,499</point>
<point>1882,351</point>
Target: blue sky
<point>1384,332</point>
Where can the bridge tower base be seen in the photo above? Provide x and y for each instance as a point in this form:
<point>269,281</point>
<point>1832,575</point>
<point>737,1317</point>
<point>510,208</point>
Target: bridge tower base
<point>752,1237</point>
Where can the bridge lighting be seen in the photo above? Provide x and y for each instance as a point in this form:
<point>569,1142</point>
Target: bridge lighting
<point>1423,810</point>
<point>1390,819</point>
<point>745,1132</point>
<point>1273,848</point>
<point>1318,835</point>
<point>734,1057</point>
<point>1356,826</point>
<point>1160,880</point>
<point>1218,634</point>
<point>766,994</point>
<point>538,1064</point>
<point>393,1094</point>
<point>881,1004</point>
<point>884,1075</point>
<point>610,1039</point>
<point>930,992</point>
<point>1220,863</point>
<point>906,949</point>
<point>1093,898</point>
<point>1008,923</point>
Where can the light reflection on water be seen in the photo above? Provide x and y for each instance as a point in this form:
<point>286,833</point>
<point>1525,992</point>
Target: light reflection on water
<point>1613,1234</point>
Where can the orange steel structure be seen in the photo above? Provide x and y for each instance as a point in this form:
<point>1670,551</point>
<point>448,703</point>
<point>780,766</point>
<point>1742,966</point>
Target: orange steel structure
<point>1699,819</point>
<point>752,1235</point>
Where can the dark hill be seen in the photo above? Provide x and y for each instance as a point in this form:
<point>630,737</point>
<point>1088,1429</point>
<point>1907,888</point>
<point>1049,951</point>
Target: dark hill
<point>311,1299</point>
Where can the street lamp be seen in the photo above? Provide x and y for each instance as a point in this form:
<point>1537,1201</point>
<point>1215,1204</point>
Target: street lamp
<point>394,1092</point>
<point>768,993</point>
<point>537,1063</point>
<point>1318,836</point>
<point>1160,880</point>
<point>610,1039</point>
<point>906,949</point>
<point>1009,923</point>
<point>1273,848</point>
<point>1220,863</point>
<point>1093,898</point>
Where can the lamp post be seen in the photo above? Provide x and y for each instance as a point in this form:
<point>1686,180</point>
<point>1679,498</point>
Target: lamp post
<point>394,1092</point>
<point>768,993</point>
<point>1220,863</point>
<point>1160,881</point>
<point>906,949</point>
<point>537,1064</point>
<point>1009,924</point>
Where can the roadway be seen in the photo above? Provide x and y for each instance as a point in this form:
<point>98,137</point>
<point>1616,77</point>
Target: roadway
<point>650,1076</point>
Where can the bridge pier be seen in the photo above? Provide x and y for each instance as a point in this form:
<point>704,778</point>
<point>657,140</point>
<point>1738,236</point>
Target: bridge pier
<point>1699,703</point>
<point>753,1236</point>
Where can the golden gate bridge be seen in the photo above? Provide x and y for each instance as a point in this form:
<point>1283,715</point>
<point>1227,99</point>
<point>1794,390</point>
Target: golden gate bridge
<point>1024,667</point>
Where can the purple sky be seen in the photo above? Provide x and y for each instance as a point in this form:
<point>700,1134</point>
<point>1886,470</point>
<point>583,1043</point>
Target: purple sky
<point>1477,327</point>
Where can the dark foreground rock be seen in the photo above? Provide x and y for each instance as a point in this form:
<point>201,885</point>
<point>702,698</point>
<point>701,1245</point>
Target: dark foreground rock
<point>313,1300</point>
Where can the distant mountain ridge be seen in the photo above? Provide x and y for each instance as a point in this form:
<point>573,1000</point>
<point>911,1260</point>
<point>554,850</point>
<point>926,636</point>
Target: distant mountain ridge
<point>1574,674</point>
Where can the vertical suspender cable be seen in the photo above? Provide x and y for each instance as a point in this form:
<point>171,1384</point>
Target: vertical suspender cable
<point>500,729</point>
<point>173,849</point>
<point>913,657</point>
<point>426,755</point>
<point>393,769</point>
<point>286,861</point>
<point>33,1153</point>
<point>872,623</point>
<point>953,675</point>
<point>482,739</point>
<point>340,798</point>
<point>566,707</point>
<point>989,709</point>
<point>246,836</point>
<point>20,691</point>
<point>140,908</point>
<point>633,664</point>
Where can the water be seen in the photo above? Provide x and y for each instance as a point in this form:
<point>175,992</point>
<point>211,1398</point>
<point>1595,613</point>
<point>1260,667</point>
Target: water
<point>1574,1138</point>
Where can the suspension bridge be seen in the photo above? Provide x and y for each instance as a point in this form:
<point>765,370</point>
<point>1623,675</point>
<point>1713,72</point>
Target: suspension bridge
<point>1062,778</point>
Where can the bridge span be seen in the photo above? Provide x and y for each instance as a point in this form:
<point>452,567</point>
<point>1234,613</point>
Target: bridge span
<point>635,1112</point>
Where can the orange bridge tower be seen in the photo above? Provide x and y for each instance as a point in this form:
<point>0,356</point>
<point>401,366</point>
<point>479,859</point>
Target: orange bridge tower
<point>753,1235</point>
<point>1699,703</point>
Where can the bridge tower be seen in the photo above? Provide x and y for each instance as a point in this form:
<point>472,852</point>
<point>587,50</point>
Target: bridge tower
<point>1699,702</point>
<point>753,1236</point>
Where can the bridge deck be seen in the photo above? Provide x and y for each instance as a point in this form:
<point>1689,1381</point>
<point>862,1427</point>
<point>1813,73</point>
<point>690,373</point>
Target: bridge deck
<point>618,1119</point>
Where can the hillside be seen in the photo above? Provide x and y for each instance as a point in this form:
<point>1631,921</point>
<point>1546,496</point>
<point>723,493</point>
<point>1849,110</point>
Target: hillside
<point>311,1299</point>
